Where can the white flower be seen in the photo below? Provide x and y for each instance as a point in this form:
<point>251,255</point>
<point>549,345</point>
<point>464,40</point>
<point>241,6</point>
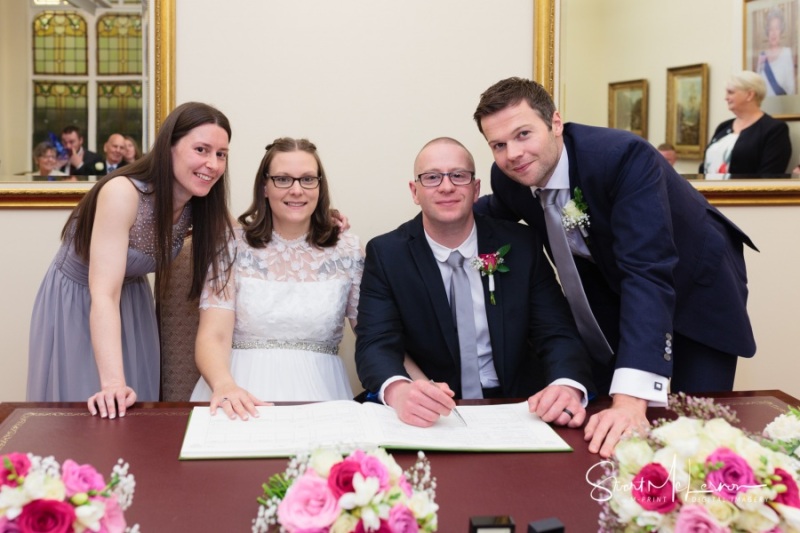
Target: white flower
<point>682,435</point>
<point>721,431</point>
<point>571,210</point>
<point>89,515</point>
<point>421,505</point>
<point>784,427</point>
<point>395,471</point>
<point>322,460</point>
<point>12,500</point>
<point>98,166</point>
<point>790,514</point>
<point>633,454</point>
<point>365,490</point>
<point>723,511</point>
<point>625,506</point>
<point>762,519</point>
<point>344,524</point>
<point>39,486</point>
<point>652,519</point>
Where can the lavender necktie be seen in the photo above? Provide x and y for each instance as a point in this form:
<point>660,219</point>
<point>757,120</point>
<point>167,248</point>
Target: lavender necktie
<point>570,280</point>
<point>464,317</point>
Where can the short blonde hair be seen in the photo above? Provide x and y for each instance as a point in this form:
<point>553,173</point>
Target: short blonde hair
<point>747,80</point>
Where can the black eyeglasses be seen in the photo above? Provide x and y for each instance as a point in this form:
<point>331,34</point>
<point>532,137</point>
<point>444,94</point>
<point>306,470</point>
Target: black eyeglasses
<point>457,177</point>
<point>286,182</point>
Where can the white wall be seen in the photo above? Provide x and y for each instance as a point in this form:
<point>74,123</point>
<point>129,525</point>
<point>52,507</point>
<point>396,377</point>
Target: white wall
<point>14,88</point>
<point>371,93</point>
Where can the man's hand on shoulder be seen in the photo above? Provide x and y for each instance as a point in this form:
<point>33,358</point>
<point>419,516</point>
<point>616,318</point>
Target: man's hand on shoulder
<point>559,404</point>
<point>419,403</point>
<point>627,415</point>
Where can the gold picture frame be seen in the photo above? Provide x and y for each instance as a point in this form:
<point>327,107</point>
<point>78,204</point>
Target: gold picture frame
<point>771,43</point>
<point>627,106</point>
<point>687,109</point>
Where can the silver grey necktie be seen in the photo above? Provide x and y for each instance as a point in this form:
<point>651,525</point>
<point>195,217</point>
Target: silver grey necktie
<point>570,280</point>
<point>464,317</point>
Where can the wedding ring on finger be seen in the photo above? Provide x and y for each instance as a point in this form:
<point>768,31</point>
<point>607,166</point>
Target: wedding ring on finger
<point>224,400</point>
<point>569,413</point>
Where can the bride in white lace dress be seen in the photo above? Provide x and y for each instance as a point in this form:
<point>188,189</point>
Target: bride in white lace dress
<point>273,334</point>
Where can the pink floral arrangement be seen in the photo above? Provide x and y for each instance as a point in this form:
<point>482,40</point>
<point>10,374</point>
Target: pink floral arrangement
<point>37,495</point>
<point>488,264</point>
<point>698,475</point>
<point>325,492</point>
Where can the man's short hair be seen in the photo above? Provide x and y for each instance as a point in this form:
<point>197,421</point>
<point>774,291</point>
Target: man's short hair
<point>512,91</point>
<point>72,129</point>
<point>665,147</point>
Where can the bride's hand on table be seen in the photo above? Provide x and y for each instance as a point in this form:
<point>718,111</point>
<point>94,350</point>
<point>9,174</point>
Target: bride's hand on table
<point>236,402</point>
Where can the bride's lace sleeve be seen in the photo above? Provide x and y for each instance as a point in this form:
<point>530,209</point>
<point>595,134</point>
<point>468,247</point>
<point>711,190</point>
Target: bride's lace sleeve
<point>222,293</point>
<point>355,268</point>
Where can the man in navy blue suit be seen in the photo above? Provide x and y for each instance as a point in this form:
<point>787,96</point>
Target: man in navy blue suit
<point>409,349</point>
<point>662,270</point>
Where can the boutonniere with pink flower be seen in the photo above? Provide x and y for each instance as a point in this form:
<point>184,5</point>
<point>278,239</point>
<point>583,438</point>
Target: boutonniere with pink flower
<point>365,491</point>
<point>488,264</point>
<point>35,491</point>
<point>574,215</point>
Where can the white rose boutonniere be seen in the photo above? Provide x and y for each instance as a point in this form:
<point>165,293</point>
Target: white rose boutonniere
<point>98,166</point>
<point>574,215</point>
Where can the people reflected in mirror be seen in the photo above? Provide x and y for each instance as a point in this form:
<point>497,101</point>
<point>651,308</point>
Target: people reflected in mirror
<point>94,335</point>
<point>752,144</point>
<point>46,162</point>
<point>132,151</point>
<point>433,329</point>
<point>78,161</point>
<point>655,275</point>
<point>669,153</point>
<point>271,331</point>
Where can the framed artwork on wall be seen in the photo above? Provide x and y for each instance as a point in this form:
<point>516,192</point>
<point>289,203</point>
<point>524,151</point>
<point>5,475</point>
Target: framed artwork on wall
<point>687,109</point>
<point>627,106</point>
<point>771,48</point>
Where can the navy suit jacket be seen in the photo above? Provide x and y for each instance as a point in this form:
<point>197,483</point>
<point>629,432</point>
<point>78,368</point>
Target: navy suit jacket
<point>403,309</point>
<point>88,168</point>
<point>665,260</point>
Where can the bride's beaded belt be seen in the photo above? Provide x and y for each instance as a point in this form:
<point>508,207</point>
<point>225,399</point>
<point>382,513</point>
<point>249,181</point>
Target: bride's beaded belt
<point>320,347</point>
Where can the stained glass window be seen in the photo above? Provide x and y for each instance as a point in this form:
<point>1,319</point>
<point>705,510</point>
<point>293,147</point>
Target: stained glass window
<point>57,104</point>
<point>59,43</point>
<point>119,44</point>
<point>119,110</point>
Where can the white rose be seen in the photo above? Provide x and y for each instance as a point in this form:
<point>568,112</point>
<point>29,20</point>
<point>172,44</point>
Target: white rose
<point>625,506</point>
<point>722,432</point>
<point>762,519</point>
<point>40,486</point>
<point>652,519</point>
<point>681,434</point>
<point>344,524</point>
<point>755,498</point>
<point>12,500</point>
<point>723,511</point>
<point>760,459</point>
<point>98,166</point>
<point>633,454</point>
<point>89,515</point>
<point>784,427</point>
<point>421,505</point>
<point>322,461</point>
<point>571,210</point>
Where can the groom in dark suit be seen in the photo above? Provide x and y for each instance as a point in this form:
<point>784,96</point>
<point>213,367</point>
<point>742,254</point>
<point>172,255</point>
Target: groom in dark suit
<point>662,270</point>
<point>431,329</point>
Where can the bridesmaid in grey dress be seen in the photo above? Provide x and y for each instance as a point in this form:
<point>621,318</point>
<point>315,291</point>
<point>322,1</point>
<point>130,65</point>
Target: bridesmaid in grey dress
<point>93,332</point>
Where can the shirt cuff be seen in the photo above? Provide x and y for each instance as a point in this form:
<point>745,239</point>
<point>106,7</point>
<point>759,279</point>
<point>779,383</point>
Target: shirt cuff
<point>575,385</point>
<point>387,383</point>
<point>640,384</point>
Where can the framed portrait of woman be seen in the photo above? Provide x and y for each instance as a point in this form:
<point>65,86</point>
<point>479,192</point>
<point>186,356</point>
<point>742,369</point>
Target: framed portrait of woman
<point>771,49</point>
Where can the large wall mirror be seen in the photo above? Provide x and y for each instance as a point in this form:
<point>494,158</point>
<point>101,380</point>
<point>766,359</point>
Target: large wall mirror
<point>553,24</point>
<point>156,82</point>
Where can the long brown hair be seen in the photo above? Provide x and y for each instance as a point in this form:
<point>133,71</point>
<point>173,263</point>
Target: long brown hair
<point>257,220</point>
<point>210,218</point>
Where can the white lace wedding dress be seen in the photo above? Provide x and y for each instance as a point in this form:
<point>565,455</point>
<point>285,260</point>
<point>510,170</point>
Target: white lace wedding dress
<point>290,300</point>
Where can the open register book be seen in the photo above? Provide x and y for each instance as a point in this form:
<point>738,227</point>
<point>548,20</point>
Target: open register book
<point>283,431</point>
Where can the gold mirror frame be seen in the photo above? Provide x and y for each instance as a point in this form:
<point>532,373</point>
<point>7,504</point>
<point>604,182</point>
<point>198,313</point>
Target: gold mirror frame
<point>48,195</point>
<point>38,195</point>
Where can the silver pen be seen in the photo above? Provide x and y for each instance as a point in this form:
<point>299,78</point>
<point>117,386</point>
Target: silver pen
<point>454,410</point>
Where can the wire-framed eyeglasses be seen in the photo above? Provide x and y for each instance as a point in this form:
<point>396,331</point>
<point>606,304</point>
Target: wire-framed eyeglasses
<point>457,177</point>
<point>286,182</point>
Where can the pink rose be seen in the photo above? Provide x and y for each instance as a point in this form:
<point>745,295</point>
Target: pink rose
<point>489,261</point>
<point>728,474</point>
<point>383,528</point>
<point>309,503</point>
<point>20,465</point>
<point>340,479</point>
<point>371,466</point>
<point>8,527</point>
<point>791,496</point>
<point>695,519</point>
<point>402,520</point>
<point>46,516</point>
<point>113,520</point>
<point>653,490</point>
<point>80,478</point>
<point>405,486</point>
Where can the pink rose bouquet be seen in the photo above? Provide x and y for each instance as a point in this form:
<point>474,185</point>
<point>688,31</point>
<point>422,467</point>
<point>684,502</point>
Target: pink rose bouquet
<point>37,495</point>
<point>326,492</point>
<point>698,473</point>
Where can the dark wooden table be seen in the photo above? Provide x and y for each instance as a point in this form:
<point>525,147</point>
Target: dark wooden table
<point>220,495</point>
